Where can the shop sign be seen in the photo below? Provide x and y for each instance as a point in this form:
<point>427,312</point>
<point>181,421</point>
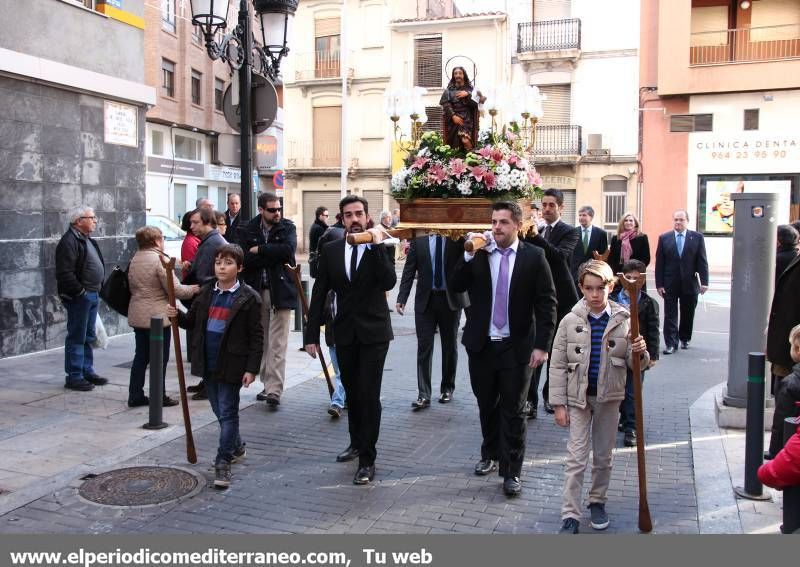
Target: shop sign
<point>229,174</point>
<point>756,148</point>
<point>178,168</point>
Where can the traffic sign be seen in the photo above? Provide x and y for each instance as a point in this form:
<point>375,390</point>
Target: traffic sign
<point>277,179</point>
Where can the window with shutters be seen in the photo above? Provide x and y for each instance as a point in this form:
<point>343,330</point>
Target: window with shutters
<point>435,118</point>
<point>326,47</point>
<point>751,119</point>
<point>168,15</point>
<point>188,148</point>
<point>428,62</point>
<point>157,143</point>
<point>327,136</point>
<point>197,86</point>
<point>691,122</point>
<point>615,200</point>
<point>219,94</point>
<point>168,77</point>
<point>556,104</point>
<point>546,10</point>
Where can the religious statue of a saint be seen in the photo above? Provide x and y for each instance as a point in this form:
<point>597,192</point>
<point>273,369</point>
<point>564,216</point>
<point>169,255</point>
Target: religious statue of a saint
<point>460,111</point>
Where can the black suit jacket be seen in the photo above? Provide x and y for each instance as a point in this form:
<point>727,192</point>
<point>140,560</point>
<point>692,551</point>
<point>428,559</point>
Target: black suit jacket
<point>598,242</point>
<point>419,263</point>
<point>531,301</point>
<point>362,314</point>
<point>676,274</point>
<point>784,314</point>
<point>233,225</point>
<point>558,251</point>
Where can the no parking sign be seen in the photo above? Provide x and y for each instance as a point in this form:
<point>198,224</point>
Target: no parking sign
<point>277,179</point>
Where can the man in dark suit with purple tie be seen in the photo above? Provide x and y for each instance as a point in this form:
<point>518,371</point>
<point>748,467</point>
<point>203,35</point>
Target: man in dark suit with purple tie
<point>510,325</point>
<point>680,262</point>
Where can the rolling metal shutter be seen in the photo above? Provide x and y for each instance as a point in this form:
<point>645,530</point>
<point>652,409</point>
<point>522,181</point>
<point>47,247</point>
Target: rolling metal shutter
<point>557,104</point>
<point>435,119</point>
<point>569,215</point>
<point>314,199</point>
<point>325,27</point>
<point>375,200</point>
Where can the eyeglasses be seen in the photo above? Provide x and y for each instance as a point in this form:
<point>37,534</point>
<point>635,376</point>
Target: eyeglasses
<point>274,209</point>
<point>93,218</point>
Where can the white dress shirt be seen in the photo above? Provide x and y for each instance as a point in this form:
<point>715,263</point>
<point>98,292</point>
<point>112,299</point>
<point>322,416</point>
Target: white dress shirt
<point>494,266</point>
<point>348,252</point>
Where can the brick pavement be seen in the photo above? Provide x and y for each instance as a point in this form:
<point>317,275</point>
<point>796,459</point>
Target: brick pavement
<point>289,482</point>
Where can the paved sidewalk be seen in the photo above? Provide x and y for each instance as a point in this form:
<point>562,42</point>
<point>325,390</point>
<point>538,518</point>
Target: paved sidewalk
<point>290,483</point>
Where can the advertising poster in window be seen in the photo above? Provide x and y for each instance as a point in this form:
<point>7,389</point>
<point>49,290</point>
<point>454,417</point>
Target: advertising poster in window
<point>716,209</point>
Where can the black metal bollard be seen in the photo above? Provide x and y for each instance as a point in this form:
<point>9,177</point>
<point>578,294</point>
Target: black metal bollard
<point>754,434</point>
<point>791,494</point>
<point>156,374</point>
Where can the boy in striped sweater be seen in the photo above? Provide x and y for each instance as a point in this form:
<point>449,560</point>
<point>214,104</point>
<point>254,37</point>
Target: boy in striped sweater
<point>591,352</point>
<point>226,349</point>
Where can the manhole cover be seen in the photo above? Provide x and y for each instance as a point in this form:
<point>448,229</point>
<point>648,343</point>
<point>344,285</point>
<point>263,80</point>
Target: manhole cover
<point>140,486</point>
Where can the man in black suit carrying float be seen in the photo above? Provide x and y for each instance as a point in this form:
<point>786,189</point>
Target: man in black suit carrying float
<point>510,325</point>
<point>359,275</point>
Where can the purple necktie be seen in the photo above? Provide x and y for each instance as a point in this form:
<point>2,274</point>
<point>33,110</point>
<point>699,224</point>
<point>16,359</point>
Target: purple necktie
<point>500,316</point>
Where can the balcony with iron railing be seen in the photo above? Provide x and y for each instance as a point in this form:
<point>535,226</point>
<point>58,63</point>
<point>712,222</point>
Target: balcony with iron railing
<point>320,154</point>
<point>318,66</point>
<point>550,39</point>
<point>768,43</point>
<point>556,142</point>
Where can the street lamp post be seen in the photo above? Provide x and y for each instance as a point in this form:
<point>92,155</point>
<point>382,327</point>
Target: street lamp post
<point>242,54</point>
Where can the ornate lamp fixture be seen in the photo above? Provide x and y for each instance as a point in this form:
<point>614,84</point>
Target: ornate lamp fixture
<point>402,103</point>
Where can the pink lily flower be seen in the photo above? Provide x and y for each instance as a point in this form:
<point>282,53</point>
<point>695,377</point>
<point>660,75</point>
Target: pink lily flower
<point>420,162</point>
<point>457,167</point>
<point>488,179</point>
<point>485,152</point>
<point>478,172</point>
<point>437,174</point>
<point>497,156</point>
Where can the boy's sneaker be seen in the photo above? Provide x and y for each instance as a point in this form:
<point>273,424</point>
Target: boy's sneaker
<point>599,516</point>
<point>570,526</point>
<point>239,453</point>
<point>630,438</point>
<point>222,475</point>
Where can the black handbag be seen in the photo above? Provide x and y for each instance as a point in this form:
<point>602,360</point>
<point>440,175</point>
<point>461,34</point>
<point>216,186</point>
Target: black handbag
<point>116,291</point>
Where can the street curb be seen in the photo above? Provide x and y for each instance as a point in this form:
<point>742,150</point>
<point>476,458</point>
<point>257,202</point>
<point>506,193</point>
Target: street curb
<point>717,510</point>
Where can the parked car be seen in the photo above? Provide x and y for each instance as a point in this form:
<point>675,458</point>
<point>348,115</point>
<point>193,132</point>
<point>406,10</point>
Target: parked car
<point>173,235</point>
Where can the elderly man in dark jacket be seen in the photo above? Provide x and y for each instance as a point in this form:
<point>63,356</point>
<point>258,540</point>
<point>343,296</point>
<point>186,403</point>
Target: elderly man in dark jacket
<point>269,242</point>
<point>783,316</point>
<point>79,275</point>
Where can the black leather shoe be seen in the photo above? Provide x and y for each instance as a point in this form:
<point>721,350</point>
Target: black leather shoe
<point>446,398</point>
<point>485,466</point>
<point>196,388</point>
<point>570,526</point>
<point>79,386</point>
<point>273,400</point>
<point>530,411</point>
<point>548,408</point>
<point>364,475</point>
<point>669,350</point>
<point>420,403</point>
<point>684,345</point>
<point>347,455</point>
<point>630,438</point>
<point>262,396</point>
<point>201,395</point>
<point>145,401</point>
<point>96,380</point>
<point>512,486</point>
<point>169,402</point>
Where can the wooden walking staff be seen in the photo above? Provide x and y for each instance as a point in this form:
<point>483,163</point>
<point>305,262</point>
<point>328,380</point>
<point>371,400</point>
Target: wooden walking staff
<point>633,286</point>
<point>191,453</point>
<point>297,272</point>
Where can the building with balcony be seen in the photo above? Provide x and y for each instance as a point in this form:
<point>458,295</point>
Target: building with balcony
<point>583,57</point>
<point>192,151</point>
<point>720,104</point>
<point>327,51</point>
<point>72,108</point>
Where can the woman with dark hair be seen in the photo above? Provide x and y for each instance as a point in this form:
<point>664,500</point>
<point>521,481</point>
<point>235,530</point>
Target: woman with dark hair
<point>148,283</point>
<point>628,244</point>
<point>190,244</point>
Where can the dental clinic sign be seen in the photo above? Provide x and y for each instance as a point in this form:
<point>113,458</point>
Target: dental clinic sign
<point>753,148</point>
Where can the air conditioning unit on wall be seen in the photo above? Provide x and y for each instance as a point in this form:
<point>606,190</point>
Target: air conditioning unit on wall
<point>595,146</point>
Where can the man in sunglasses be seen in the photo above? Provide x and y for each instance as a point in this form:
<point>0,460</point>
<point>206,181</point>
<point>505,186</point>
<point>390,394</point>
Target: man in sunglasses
<point>269,242</point>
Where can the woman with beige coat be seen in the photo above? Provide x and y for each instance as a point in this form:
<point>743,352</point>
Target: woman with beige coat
<point>148,284</point>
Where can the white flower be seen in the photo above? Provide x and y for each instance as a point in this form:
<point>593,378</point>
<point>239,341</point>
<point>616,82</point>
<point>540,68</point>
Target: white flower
<point>503,168</point>
<point>399,180</point>
<point>464,188</point>
<point>517,178</point>
<point>423,152</point>
<point>503,182</point>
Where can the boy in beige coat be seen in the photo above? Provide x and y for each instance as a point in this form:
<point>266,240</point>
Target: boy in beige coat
<point>591,351</point>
